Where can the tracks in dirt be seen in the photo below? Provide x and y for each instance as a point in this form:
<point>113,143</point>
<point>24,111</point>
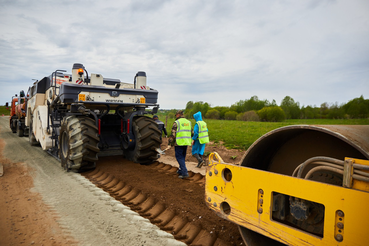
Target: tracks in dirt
<point>157,211</point>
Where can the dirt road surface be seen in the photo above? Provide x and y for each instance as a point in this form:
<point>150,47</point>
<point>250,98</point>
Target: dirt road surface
<point>40,204</point>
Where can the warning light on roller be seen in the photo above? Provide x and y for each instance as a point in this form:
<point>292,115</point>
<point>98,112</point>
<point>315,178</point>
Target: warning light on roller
<point>80,71</point>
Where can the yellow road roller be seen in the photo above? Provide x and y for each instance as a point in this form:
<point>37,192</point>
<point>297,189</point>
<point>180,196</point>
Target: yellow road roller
<point>297,185</point>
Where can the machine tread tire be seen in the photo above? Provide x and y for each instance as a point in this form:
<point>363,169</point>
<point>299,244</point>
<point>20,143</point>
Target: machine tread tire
<point>20,132</point>
<point>78,143</point>
<point>13,124</point>
<point>148,140</point>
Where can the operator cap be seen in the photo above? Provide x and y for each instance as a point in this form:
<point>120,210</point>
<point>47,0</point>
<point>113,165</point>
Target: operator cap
<point>155,116</point>
<point>180,112</point>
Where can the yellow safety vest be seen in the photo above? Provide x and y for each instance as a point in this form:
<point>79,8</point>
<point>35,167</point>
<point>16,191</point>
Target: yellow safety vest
<point>203,132</point>
<point>183,134</point>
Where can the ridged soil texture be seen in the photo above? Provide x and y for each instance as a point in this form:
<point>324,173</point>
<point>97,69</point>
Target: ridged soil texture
<point>156,211</point>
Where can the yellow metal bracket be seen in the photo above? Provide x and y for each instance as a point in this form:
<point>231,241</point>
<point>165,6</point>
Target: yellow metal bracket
<point>357,164</point>
<point>245,196</point>
<point>214,158</point>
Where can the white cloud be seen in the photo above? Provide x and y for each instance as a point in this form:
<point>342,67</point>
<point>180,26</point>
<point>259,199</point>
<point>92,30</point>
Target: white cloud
<point>219,52</point>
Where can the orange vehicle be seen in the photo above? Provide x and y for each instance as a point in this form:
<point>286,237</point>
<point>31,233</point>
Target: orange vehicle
<point>13,117</point>
<point>18,114</point>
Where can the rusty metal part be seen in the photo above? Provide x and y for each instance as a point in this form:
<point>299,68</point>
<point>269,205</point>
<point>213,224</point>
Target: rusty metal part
<point>339,228</point>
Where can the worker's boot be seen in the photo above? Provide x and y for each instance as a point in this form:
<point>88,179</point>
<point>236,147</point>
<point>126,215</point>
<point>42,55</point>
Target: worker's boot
<point>201,163</point>
<point>199,159</point>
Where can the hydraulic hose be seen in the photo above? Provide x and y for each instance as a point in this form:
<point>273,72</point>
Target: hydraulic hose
<point>318,158</point>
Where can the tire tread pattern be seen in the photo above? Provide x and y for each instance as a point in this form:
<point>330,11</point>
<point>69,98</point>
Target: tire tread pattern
<point>147,141</point>
<point>83,143</point>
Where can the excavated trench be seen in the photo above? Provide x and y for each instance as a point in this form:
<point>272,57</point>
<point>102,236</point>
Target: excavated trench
<point>155,192</point>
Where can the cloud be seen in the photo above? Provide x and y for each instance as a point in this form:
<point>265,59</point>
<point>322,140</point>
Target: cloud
<point>219,52</point>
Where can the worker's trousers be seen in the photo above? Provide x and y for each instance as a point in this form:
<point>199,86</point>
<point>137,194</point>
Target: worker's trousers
<point>180,152</point>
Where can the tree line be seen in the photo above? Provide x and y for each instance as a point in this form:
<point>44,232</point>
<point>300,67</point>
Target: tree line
<point>254,109</point>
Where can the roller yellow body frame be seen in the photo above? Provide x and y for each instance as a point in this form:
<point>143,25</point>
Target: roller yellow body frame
<point>244,196</point>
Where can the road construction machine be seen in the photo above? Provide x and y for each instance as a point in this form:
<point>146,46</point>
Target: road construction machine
<point>13,117</point>
<point>18,114</point>
<point>297,185</point>
<point>76,116</point>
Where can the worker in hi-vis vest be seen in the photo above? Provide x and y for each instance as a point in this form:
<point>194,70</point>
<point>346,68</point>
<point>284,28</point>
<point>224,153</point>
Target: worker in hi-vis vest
<point>199,139</point>
<point>181,138</point>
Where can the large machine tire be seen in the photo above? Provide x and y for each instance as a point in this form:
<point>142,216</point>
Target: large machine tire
<point>147,139</point>
<point>78,143</point>
<point>20,131</point>
<point>13,124</point>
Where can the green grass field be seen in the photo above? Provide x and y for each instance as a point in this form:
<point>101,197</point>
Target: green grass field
<point>242,134</point>
<point>4,110</point>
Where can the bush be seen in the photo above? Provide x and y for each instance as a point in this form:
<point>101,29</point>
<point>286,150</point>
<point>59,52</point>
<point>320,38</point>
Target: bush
<point>248,116</point>
<point>274,114</point>
<point>239,116</point>
<point>212,114</point>
<point>357,108</point>
<point>171,115</point>
<point>230,115</point>
<point>222,111</point>
<point>188,115</point>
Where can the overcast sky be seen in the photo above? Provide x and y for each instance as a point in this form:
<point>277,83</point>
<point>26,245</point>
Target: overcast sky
<point>213,51</point>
